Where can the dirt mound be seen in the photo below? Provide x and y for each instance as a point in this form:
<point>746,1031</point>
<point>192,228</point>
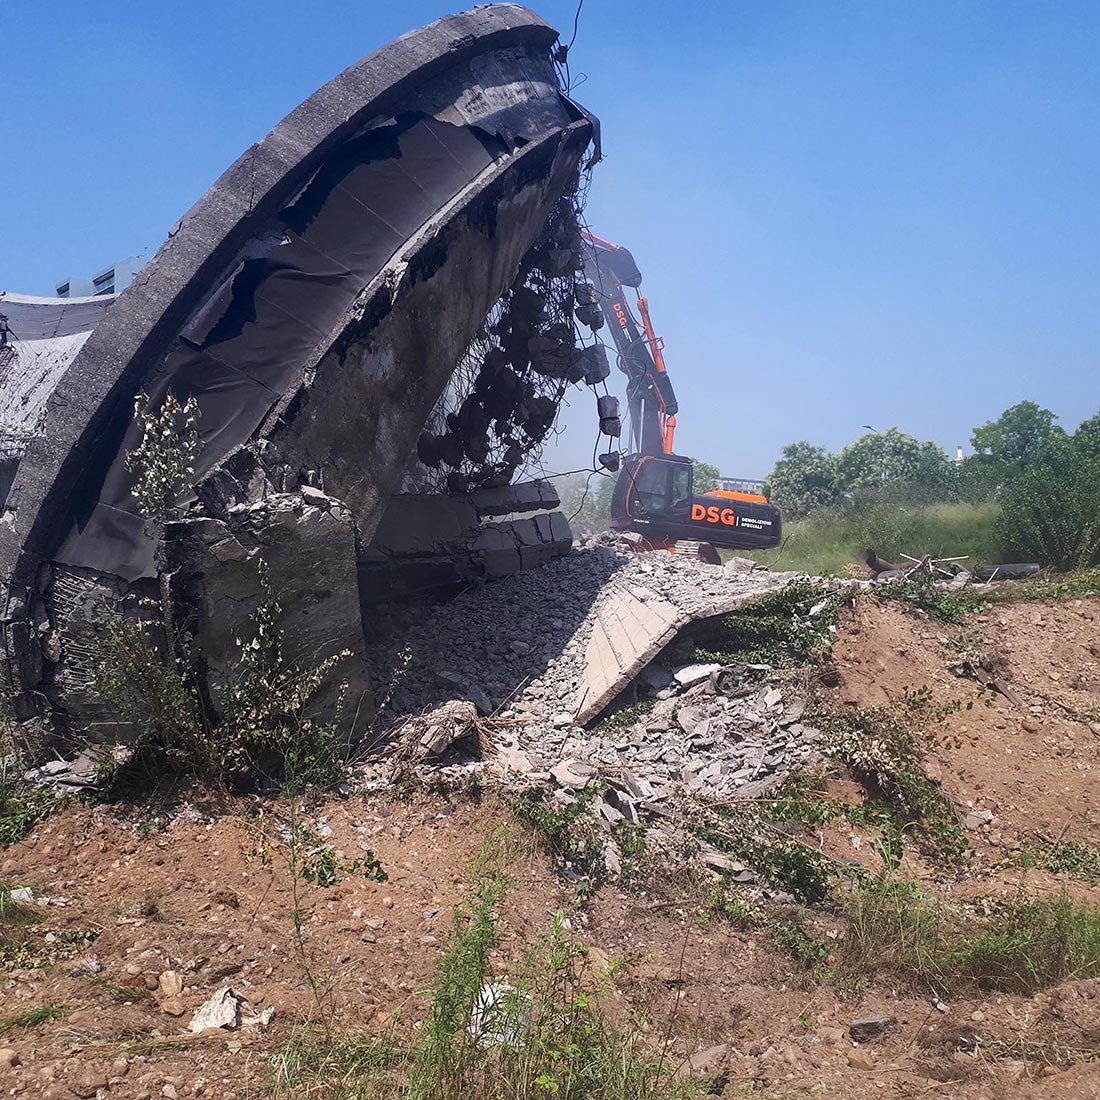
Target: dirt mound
<point>206,892</point>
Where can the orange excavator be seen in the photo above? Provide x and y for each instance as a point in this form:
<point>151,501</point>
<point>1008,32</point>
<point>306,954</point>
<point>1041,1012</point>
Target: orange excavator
<point>654,495</point>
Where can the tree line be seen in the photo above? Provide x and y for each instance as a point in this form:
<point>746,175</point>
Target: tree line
<point>1045,480</point>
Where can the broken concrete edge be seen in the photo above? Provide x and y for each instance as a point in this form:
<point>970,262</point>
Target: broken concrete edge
<point>147,316</point>
<point>593,701</point>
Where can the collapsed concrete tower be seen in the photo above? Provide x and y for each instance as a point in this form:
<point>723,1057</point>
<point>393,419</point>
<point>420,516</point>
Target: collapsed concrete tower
<point>313,307</point>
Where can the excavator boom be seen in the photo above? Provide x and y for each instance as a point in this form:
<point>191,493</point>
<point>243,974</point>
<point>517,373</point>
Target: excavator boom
<point>654,494</point>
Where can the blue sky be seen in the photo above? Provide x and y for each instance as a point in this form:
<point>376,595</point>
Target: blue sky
<point>846,212</point>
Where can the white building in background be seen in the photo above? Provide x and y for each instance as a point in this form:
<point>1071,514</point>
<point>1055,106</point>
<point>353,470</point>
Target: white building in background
<point>110,280</point>
<point>740,485</point>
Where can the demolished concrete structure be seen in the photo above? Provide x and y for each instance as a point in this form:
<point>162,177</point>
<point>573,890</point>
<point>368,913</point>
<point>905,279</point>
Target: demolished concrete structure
<point>414,216</point>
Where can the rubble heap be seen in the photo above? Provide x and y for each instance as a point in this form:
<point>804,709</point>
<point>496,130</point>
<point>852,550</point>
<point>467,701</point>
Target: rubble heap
<point>518,652</point>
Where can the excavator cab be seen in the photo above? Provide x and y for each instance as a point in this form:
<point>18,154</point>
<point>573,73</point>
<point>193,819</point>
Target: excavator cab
<point>654,498</point>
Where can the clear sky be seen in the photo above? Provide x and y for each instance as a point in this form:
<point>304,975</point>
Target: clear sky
<point>847,212</point>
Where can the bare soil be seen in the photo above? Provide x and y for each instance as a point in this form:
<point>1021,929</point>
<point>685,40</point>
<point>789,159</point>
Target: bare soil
<point>204,890</point>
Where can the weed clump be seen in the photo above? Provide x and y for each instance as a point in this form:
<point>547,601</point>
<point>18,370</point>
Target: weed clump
<point>567,830</point>
<point>1033,944</point>
<point>881,748</point>
<point>261,735</point>
<point>1024,946</point>
<point>1068,857</point>
<point>949,608</point>
<point>539,1032</point>
<point>22,804</point>
<point>778,630</point>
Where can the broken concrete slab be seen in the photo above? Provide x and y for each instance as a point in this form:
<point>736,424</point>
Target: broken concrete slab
<point>633,624</point>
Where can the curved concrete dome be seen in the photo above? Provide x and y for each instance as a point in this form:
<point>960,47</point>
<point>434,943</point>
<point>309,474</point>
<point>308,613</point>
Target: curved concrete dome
<point>314,303</point>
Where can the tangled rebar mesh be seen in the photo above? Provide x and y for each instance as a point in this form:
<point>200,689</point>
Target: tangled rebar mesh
<point>502,402</point>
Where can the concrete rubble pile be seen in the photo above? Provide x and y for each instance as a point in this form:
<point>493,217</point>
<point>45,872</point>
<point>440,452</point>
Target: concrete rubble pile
<point>518,654</point>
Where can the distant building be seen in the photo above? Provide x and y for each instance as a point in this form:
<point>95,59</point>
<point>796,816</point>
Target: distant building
<point>740,485</point>
<point>110,280</point>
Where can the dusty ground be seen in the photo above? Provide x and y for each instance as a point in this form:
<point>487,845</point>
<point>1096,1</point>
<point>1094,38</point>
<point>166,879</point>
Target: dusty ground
<point>205,891</point>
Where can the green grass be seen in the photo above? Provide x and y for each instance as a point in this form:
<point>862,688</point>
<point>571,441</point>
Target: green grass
<point>823,544</point>
<point>1025,946</point>
<point>776,630</point>
<point>544,1036</point>
<point>32,1017</point>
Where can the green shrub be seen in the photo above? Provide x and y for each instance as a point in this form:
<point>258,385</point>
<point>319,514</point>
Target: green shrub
<point>262,734</point>
<point>1050,513</point>
<point>881,746</point>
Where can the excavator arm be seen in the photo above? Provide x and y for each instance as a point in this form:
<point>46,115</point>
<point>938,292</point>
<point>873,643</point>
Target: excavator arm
<point>654,495</point>
<point>651,400</point>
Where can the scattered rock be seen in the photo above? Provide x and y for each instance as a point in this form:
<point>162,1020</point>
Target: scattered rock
<point>170,984</point>
<point>173,1006</point>
<point>706,1062</point>
<point>9,1058</point>
<point>861,1058</point>
<point>870,1027</point>
<point>976,819</point>
<point>89,1084</point>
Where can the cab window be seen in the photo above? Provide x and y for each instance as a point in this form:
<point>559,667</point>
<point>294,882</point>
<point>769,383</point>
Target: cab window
<point>661,488</point>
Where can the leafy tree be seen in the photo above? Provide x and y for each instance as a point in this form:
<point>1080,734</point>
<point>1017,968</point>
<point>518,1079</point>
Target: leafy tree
<point>1087,438</point>
<point>877,459</point>
<point>705,478</point>
<point>804,478</point>
<point>1019,435</point>
<point>1050,512</point>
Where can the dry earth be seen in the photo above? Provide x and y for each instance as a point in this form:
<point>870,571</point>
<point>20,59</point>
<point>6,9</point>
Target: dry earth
<point>204,890</point>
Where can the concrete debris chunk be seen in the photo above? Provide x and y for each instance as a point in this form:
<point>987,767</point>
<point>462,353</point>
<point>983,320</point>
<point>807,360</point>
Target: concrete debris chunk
<point>227,1010</point>
<point>870,1027</point>
<point>687,675</point>
<point>573,773</point>
<point>978,818</point>
<point>440,728</point>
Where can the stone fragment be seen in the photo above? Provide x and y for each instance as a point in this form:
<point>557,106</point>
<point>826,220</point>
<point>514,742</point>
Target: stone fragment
<point>9,1058</point>
<point>705,1062</point>
<point>861,1058</point>
<point>573,773</point>
<point>870,1027</point>
<point>89,1084</point>
<point>694,721</point>
<point>740,565</point>
<point>687,675</point>
<point>170,984</point>
<point>976,819</point>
